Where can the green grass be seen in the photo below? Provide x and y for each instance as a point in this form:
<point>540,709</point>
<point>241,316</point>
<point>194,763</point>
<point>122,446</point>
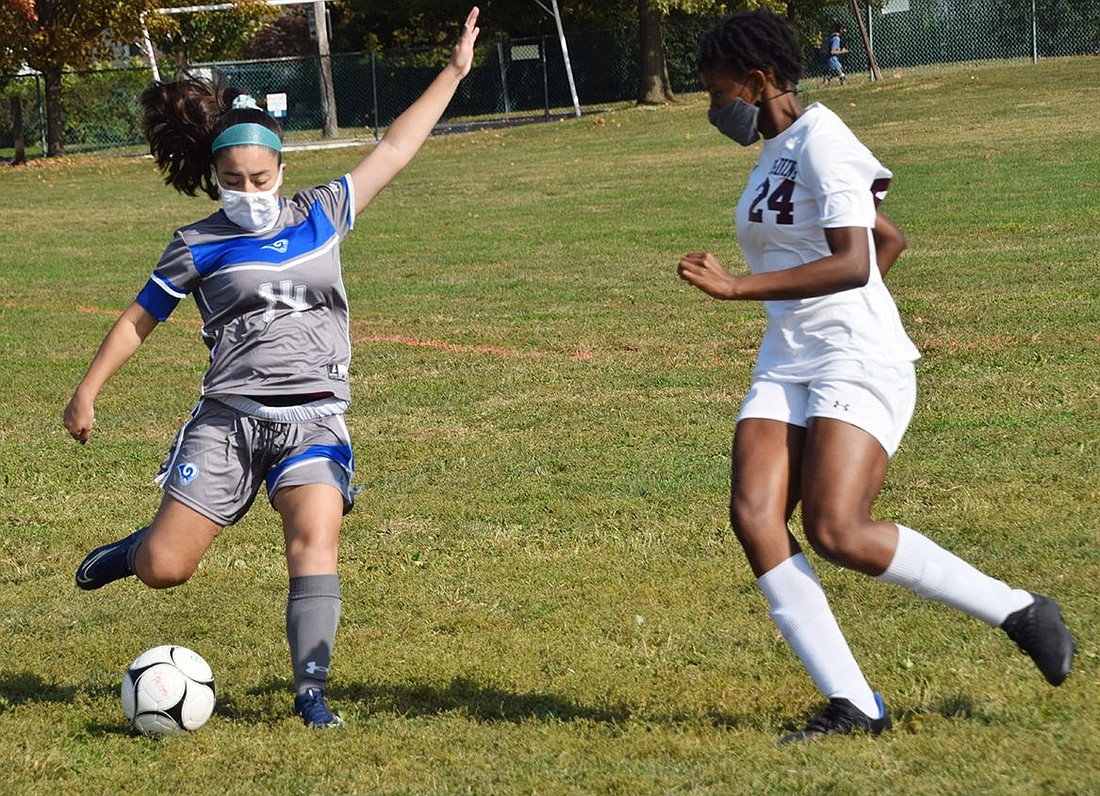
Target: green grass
<point>541,593</point>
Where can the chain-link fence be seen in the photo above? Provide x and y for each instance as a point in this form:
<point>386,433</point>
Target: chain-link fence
<point>914,33</point>
<point>521,79</point>
<point>100,108</point>
<point>510,79</point>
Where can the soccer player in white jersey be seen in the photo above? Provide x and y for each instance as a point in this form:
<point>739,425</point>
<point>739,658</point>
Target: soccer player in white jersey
<point>833,388</point>
<point>265,274</point>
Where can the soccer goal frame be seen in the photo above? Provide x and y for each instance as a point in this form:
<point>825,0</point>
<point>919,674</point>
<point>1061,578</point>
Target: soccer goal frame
<point>151,52</point>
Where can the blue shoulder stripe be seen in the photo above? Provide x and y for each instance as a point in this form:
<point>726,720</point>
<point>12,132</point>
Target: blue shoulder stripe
<point>159,297</point>
<point>278,247</point>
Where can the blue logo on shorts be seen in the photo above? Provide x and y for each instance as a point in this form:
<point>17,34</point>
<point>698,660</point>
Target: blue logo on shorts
<point>187,472</point>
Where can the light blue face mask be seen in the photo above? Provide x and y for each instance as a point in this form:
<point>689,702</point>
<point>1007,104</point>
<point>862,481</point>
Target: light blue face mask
<point>737,120</point>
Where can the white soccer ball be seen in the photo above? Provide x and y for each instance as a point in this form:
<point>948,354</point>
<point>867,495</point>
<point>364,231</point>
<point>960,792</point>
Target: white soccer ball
<point>168,690</point>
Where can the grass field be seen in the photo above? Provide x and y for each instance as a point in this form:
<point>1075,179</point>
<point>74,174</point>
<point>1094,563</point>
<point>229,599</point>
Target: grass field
<point>541,592</point>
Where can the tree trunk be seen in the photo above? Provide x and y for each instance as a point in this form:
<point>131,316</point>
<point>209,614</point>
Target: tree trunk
<point>655,88</point>
<point>17,129</point>
<point>54,142</point>
<point>324,63</point>
<point>875,73</point>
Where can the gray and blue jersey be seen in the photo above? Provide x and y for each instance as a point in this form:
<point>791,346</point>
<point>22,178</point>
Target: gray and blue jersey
<point>273,304</point>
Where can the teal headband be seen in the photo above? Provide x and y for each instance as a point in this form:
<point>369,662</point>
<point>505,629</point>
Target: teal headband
<point>247,133</point>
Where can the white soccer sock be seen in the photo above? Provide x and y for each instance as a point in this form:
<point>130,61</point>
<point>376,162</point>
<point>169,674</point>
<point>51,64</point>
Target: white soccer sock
<point>800,609</point>
<point>923,566</point>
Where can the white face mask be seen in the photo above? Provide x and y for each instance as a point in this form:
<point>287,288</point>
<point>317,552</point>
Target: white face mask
<point>255,211</point>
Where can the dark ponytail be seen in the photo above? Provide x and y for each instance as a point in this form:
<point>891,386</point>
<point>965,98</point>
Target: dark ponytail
<point>182,118</point>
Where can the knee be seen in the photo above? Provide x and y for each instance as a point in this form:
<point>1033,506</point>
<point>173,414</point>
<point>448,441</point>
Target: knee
<point>163,577</point>
<point>743,511</point>
<point>834,538</point>
<point>754,517</point>
<point>161,572</point>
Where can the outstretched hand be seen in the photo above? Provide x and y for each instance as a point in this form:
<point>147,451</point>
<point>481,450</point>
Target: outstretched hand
<point>703,270</point>
<point>463,57</point>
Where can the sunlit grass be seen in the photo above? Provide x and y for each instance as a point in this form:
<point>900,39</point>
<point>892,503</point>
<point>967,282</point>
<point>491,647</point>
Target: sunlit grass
<point>540,590</point>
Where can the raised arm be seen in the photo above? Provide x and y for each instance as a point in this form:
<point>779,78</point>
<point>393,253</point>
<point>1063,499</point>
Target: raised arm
<point>125,337</point>
<point>405,136</point>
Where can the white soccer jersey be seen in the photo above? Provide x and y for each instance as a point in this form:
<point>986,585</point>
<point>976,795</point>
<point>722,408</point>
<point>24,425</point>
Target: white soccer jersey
<point>813,176</point>
<point>273,305</point>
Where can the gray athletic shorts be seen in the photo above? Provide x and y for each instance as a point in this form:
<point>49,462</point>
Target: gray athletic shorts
<point>221,457</point>
<point>878,398</point>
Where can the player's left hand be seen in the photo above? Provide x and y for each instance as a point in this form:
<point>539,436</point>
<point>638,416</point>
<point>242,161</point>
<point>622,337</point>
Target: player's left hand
<point>703,270</point>
<point>463,57</point>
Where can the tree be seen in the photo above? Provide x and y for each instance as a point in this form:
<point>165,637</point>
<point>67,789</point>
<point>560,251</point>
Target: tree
<point>654,87</point>
<point>200,36</point>
<point>287,35</point>
<point>14,14</point>
<point>50,35</point>
<point>414,23</point>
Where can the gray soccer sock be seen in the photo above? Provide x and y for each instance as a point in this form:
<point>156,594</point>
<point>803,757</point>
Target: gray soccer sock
<point>312,615</point>
<point>135,539</point>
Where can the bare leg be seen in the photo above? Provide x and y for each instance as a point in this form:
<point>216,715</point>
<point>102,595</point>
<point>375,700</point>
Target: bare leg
<point>842,473</point>
<point>176,542</point>
<point>312,515</point>
<point>764,489</point>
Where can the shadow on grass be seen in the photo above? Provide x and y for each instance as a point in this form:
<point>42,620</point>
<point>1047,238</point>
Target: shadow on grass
<point>948,706</point>
<point>28,688</point>
<point>21,688</point>
<point>102,729</point>
<point>479,702</point>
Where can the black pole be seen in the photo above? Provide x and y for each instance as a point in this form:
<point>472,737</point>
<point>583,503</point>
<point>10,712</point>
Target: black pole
<point>374,91</point>
<point>503,78</point>
<point>545,79</point>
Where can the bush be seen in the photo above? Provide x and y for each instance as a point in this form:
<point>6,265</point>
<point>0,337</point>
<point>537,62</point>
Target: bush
<point>101,108</point>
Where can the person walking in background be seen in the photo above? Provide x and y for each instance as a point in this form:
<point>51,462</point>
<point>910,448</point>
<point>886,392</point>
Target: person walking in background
<point>265,273</point>
<point>834,386</point>
<point>835,49</point>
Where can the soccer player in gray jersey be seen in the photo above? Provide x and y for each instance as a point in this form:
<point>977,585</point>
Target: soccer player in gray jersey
<point>265,274</point>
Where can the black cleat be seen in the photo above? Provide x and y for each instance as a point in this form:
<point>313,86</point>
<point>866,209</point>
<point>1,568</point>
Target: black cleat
<point>1040,631</point>
<point>840,717</point>
<point>108,563</point>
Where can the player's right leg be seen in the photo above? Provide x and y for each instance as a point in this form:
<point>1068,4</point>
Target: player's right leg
<point>109,562</point>
<point>177,540</point>
<point>163,554</point>
<point>764,489</point>
<point>311,489</point>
